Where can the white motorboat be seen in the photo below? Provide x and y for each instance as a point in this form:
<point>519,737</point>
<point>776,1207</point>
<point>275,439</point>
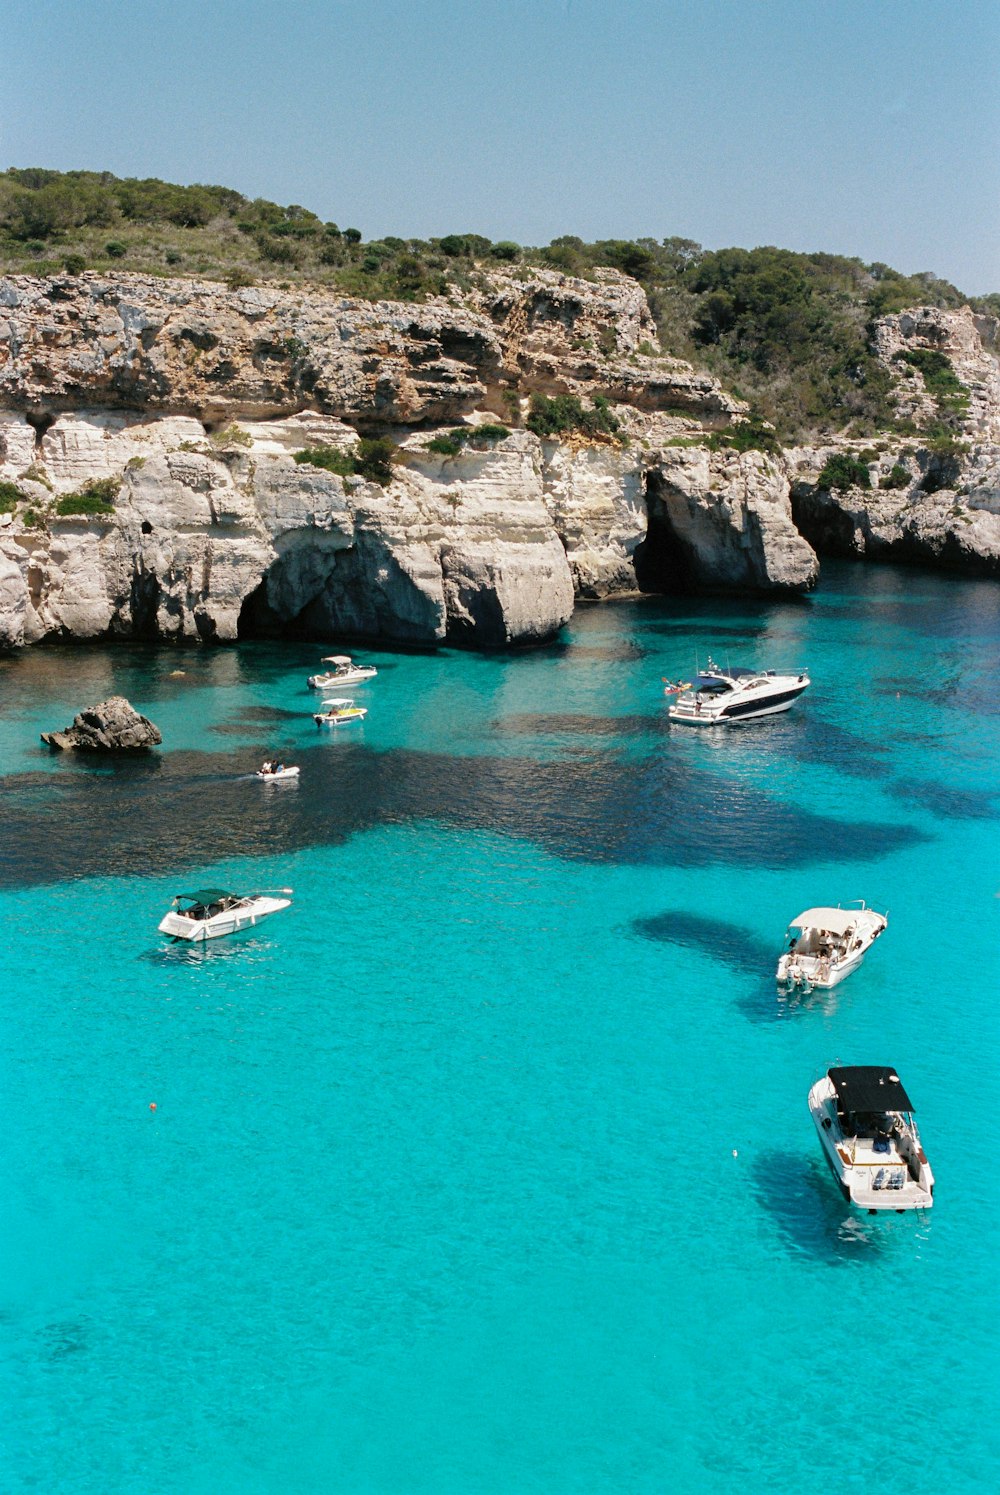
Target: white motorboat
<point>344,672</point>
<point>865,1122</point>
<point>339,712</point>
<point>827,944</point>
<point>719,697</point>
<point>209,913</point>
<point>271,773</point>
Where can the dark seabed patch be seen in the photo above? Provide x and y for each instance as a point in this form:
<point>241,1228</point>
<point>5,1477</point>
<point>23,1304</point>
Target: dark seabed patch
<point>557,723</point>
<point>817,741</point>
<point>189,809</point>
<point>949,804</point>
<point>707,633</point>
<point>253,718</point>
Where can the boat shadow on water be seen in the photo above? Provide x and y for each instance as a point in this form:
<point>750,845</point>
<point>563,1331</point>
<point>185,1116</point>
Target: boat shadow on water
<point>760,1000</point>
<point>813,1219</point>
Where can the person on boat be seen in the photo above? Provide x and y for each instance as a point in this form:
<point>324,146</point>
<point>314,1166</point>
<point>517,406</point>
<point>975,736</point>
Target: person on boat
<point>267,767</point>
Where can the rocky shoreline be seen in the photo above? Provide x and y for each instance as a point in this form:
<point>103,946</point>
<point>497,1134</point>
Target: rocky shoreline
<point>149,432</point>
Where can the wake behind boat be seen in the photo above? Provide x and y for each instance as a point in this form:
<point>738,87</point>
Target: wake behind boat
<point>865,1122</point>
<point>209,913</point>
<point>344,672</point>
<point>827,944</point>
<point>719,697</point>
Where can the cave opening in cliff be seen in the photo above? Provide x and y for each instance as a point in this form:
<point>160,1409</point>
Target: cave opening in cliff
<point>39,421</point>
<point>663,562</point>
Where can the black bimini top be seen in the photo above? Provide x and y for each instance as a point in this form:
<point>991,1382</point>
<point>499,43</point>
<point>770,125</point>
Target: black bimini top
<point>206,896</point>
<point>869,1087</point>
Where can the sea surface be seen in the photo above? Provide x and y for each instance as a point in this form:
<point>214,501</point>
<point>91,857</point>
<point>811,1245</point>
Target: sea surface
<point>486,1168</point>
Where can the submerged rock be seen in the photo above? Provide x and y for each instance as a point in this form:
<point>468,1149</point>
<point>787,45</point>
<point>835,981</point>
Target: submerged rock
<point>112,726</point>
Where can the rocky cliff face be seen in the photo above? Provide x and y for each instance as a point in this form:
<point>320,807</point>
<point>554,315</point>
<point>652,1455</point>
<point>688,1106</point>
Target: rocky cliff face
<point>928,502</point>
<point>191,401</point>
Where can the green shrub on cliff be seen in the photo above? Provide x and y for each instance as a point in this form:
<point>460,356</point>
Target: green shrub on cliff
<point>750,435</point>
<point>97,497</point>
<point>560,414</point>
<point>477,437</point>
<point>330,458</point>
<point>375,458</point>
<point>844,471</point>
<point>10,497</point>
<point>372,460</point>
<point>896,477</point>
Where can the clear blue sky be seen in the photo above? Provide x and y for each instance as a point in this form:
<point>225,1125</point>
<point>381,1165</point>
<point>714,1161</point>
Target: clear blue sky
<point>862,127</point>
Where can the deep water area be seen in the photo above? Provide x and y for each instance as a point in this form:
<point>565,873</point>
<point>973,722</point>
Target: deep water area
<point>486,1168</point>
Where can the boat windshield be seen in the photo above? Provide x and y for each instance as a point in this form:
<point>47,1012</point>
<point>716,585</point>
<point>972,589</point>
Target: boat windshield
<point>711,685</point>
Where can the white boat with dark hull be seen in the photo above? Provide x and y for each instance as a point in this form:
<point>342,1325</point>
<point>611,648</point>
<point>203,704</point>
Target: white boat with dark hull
<point>865,1122</point>
<point>209,913</point>
<point>718,697</point>
<point>339,712</point>
<point>827,944</point>
<point>344,672</point>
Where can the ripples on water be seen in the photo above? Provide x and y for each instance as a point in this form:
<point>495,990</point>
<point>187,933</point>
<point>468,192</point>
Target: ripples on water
<point>487,1165</point>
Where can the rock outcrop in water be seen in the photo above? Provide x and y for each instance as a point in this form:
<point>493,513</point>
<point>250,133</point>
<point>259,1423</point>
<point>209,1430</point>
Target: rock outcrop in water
<point>112,726</point>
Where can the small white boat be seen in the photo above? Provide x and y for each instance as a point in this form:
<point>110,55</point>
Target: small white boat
<point>718,697</point>
<point>338,712</point>
<point>827,944</point>
<point>344,672</point>
<point>210,913</point>
<point>865,1122</point>
<point>270,773</point>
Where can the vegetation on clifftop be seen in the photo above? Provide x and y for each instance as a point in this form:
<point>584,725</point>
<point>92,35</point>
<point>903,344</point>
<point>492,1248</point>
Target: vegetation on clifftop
<point>789,332</point>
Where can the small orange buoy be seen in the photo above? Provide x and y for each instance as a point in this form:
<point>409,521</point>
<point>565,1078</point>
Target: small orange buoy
<point>152,1105</point>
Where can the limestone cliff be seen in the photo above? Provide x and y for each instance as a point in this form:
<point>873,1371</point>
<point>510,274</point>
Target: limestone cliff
<point>191,401</point>
<point>933,502</point>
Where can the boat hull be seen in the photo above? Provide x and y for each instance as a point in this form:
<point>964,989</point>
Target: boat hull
<point>231,921</point>
<point>274,778</point>
<point>348,677</point>
<point>344,719</point>
<point>887,1182</point>
<point>812,973</point>
<point>734,713</point>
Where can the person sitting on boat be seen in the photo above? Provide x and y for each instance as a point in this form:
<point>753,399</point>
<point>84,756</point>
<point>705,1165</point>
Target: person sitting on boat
<point>267,767</point>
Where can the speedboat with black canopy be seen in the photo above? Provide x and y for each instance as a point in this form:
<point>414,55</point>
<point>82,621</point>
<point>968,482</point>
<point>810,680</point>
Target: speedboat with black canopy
<point>209,913</point>
<point>865,1122</point>
<point>827,944</point>
<point>718,697</point>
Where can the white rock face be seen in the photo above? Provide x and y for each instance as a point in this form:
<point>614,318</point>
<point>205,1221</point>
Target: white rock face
<point>595,496</point>
<point>729,520</point>
<point>490,545</point>
<point>214,526</point>
<point>925,504</point>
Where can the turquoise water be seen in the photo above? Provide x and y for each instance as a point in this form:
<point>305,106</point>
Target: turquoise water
<point>486,1168</point>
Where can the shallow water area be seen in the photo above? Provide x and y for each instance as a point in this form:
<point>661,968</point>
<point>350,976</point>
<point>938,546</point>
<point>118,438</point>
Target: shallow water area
<point>486,1167</point>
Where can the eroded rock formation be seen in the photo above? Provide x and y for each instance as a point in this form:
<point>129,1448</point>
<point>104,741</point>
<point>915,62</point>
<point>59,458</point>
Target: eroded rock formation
<point>194,400</point>
<point>931,502</point>
<point>112,726</point>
